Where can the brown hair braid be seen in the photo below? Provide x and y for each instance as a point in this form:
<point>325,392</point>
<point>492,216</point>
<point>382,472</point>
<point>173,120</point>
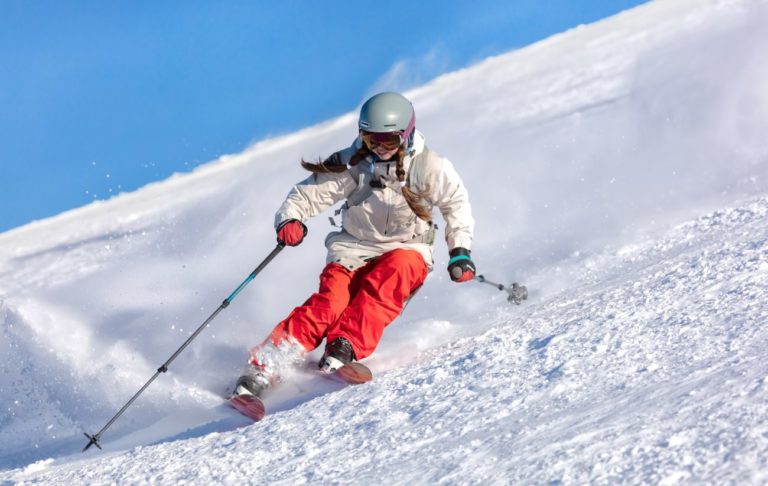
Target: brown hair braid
<point>333,164</point>
<point>413,198</point>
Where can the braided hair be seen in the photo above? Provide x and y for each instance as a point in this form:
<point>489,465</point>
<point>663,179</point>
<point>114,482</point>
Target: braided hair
<point>333,164</point>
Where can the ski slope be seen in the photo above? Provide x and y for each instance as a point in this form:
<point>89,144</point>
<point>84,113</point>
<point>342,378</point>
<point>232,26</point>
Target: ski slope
<point>617,169</point>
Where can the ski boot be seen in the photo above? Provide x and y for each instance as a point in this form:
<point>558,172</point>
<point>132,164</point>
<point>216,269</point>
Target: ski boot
<point>338,353</point>
<point>254,381</point>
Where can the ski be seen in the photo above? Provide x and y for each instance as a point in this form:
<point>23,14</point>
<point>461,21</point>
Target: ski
<point>249,405</point>
<point>351,374</point>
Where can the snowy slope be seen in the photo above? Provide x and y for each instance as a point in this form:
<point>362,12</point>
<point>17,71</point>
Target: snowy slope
<point>654,372</point>
<point>637,358</point>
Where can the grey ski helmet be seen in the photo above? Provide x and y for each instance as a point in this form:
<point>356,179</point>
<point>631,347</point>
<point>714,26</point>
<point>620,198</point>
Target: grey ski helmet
<point>388,112</point>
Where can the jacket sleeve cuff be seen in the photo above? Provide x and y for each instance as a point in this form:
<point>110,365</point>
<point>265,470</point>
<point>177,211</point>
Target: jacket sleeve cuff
<point>459,253</point>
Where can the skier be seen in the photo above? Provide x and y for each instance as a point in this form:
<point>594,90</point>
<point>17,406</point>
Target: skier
<point>381,256</point>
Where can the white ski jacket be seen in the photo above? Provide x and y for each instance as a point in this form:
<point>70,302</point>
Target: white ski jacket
<point>377,219</point>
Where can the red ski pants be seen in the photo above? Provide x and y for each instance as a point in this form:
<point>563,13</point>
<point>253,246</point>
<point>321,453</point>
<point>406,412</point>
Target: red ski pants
<point>356,305</point>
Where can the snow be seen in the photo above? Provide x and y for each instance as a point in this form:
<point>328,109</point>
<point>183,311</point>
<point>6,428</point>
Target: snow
<point>617,169</point>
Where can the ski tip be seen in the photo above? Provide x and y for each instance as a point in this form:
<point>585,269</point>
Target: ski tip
<point>355,373</point>
<point>249,405</point>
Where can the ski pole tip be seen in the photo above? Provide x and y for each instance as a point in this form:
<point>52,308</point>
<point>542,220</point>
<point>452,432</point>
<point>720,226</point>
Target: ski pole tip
<point>94,440</point>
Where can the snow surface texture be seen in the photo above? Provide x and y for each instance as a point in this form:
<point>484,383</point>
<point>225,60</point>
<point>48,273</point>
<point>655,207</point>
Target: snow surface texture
<point>618,169</point>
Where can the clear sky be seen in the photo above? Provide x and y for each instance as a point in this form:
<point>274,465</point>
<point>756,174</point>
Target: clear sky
<point>102,97</point>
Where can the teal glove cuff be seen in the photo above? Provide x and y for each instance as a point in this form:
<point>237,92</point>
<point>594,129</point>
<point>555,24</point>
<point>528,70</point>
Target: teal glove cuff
<point>458,258</point>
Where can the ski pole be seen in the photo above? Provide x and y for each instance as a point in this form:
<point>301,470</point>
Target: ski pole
<point>94,439</point>
<point>517,293</point>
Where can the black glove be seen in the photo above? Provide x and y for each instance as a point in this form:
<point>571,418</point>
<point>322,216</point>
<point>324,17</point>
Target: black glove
<point>460,267</point>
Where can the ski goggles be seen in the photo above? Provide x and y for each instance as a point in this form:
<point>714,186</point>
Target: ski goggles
<point>386,140</point>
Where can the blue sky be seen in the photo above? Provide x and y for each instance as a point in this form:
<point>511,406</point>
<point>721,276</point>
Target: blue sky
<point>98,98</point>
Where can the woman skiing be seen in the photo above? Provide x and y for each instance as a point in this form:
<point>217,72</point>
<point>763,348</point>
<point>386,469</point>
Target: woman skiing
<point>391,182</point>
